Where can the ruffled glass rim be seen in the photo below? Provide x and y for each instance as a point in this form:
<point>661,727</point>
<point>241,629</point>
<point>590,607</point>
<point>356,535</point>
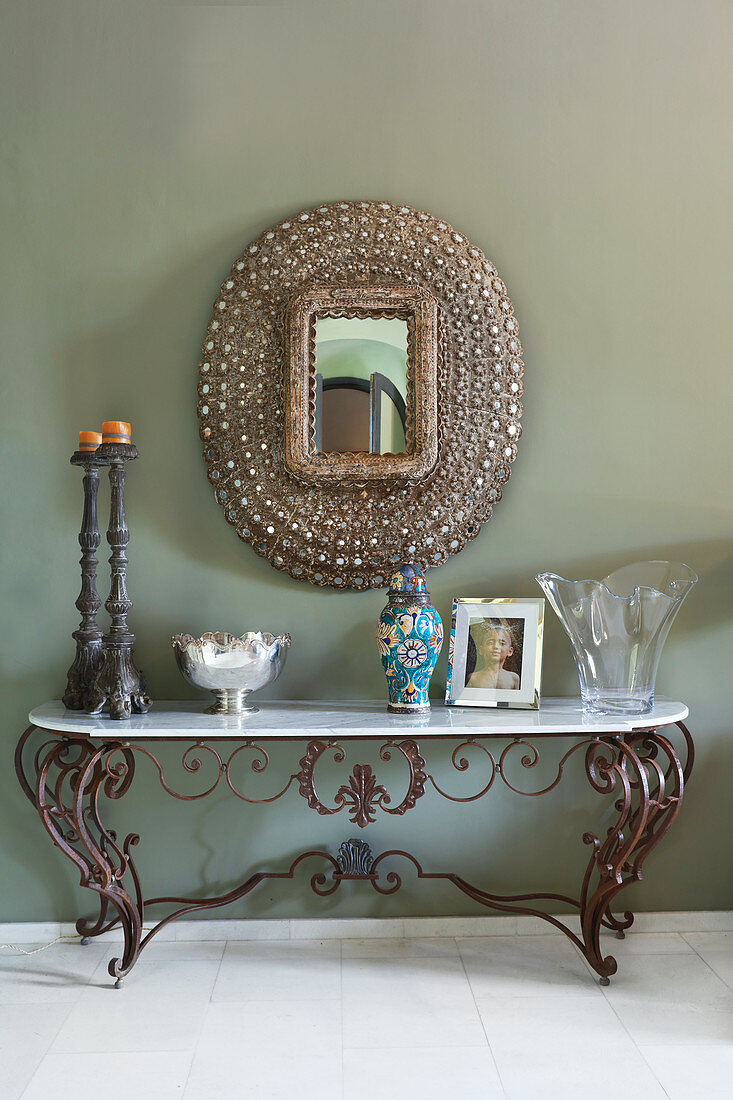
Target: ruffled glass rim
<point>691,579</point>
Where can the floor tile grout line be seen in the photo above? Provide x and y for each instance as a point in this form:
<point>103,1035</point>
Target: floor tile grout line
<point>79,985</point>
<point>117,1054</point>
<point>43,1057</point>
<point>600,989</point>
<point>593,974</point>
<point>633,1040</point>
<point>481,1020</point>
<point>610,1004</point>
<point>648,1063</point>
<point>204,1014</point>
<point>628,961</point>
<point>341,1006</point>
<point>66,927</point>
<point>704,960</point>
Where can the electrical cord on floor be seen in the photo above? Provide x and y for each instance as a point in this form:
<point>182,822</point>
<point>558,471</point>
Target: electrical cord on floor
<point>22,950</point>
<point>59,939</point>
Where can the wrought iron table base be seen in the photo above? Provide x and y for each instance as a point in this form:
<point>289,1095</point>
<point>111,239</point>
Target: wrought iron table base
<point>67,774</point>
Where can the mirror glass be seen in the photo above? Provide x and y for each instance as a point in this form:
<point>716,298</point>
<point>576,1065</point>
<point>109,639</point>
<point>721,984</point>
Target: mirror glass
<point>361,384</point>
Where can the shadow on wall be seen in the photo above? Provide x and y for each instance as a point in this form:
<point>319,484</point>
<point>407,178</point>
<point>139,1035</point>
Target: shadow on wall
<point>706,608</point>
<point>313,676</point>
<point>143,368</point>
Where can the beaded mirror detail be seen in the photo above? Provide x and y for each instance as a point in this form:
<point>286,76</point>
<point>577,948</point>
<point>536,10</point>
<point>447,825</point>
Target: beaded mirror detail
<point>350,533</point>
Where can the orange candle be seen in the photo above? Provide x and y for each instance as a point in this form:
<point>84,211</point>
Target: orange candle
<point>116,431</point>
<point>89,441</point>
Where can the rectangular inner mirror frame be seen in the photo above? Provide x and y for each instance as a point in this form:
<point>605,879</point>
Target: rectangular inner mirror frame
<point>411,304</point>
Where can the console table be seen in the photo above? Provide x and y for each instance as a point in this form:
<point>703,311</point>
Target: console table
<point>69,763</point>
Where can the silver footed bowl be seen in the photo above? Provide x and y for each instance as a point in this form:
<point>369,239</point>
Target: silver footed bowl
<point>231,667</point>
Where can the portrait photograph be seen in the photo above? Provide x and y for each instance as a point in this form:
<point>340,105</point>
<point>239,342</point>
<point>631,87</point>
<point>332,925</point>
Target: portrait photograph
<point>495,652</point>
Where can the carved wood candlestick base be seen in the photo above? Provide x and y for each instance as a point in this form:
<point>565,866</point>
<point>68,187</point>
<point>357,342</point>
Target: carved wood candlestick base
<point>88,637</point>
<point>118,684</point>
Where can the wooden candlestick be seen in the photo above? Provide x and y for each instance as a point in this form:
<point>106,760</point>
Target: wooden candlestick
<point>88,637</point>
<point>118,683</point>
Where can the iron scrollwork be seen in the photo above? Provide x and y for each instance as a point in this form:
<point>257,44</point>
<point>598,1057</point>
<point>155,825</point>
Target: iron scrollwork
<point>66,778</point>
<point>501,767</point>
<point>362,794</point>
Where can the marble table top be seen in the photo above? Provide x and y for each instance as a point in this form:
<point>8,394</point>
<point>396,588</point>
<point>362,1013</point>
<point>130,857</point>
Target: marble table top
<point>340,719</point>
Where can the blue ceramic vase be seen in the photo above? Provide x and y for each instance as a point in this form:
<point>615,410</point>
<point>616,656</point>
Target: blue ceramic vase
<point>409,637</point>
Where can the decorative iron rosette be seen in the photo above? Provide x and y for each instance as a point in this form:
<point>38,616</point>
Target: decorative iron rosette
<point>351,536</point>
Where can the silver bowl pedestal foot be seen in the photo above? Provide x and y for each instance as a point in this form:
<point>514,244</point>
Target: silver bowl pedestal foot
<point>231,701</point>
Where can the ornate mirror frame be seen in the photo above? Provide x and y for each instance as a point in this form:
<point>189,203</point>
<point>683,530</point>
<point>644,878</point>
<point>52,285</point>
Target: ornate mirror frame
<point>348,531</point>
<point>411,304</point>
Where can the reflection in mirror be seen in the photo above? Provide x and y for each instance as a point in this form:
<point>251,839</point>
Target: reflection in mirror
<point>361,384</point>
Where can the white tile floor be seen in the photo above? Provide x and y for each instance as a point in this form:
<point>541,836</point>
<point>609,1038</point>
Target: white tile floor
<point>487,1016</point>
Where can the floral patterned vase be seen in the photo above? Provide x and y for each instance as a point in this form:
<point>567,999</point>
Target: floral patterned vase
<point>409,637</point>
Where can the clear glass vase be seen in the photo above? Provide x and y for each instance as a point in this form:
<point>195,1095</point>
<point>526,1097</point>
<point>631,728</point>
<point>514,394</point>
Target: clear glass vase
<point>617,628</point>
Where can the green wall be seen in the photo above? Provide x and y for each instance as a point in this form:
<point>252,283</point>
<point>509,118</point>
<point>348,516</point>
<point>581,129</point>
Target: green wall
<point>585,147</point>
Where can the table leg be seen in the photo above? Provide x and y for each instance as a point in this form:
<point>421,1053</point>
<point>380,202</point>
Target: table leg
<point>644,770</point>
<point>70,775</point>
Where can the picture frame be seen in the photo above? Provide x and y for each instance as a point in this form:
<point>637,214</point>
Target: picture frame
<point>495,652</point>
